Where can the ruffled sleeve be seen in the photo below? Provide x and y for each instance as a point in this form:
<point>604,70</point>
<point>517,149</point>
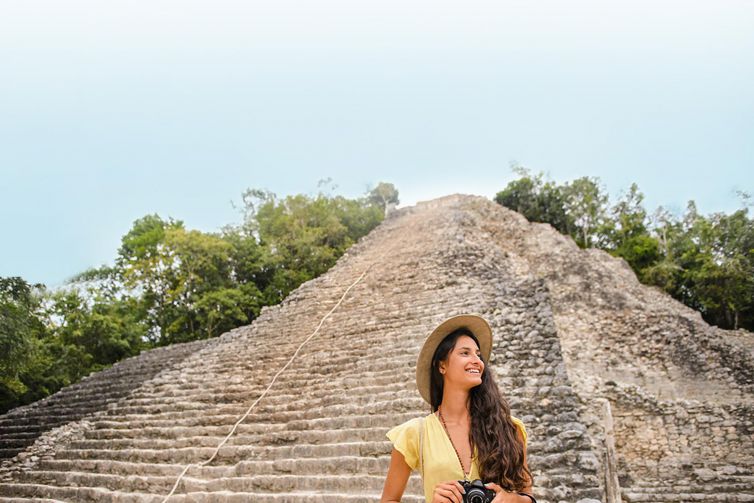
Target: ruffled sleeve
<point>521,427</point>
<point>405,439</point>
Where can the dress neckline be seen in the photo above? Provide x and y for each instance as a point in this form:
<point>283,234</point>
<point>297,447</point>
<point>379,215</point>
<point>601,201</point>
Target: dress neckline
<point>466,476</point>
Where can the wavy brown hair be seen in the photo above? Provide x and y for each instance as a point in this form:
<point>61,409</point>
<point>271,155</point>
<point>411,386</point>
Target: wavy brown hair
<point>493,432</point>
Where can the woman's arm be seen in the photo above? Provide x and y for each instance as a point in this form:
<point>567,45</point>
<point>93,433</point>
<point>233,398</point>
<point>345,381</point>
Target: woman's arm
<point>397,478</point>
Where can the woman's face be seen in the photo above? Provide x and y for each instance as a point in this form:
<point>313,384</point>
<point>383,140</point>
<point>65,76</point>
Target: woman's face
<point>464,366</point>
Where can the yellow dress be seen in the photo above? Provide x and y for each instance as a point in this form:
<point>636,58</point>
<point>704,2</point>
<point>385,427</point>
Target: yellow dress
<point>440,459</point>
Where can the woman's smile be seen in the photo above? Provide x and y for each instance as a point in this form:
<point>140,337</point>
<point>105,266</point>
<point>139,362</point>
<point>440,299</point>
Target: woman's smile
<point>466,358</point>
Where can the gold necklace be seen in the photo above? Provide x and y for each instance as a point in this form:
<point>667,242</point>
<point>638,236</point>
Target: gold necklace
<point>465,475</point>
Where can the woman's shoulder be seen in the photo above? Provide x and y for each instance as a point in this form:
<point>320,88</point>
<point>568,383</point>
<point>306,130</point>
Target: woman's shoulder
<point>410,424</point>
<point>406,440</point>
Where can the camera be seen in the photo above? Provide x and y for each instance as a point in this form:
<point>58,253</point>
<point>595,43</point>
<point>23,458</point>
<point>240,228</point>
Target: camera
<point>476,492</point>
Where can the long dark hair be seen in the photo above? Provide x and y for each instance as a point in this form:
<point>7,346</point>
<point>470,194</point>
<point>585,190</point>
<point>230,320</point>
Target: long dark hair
<point>493,432</point>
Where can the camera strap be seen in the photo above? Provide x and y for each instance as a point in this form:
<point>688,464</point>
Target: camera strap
<point>421,445</point>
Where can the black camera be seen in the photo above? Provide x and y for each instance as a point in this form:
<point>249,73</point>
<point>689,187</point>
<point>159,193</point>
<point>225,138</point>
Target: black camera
<point>476,492</point>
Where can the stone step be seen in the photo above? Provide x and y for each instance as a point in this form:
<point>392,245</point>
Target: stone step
<point>284,380</point>
<point>720,484</point>
<point>39,492</point>
<point>269,403</point>
<point>42,417</point>
<point>347,421</point>
<point>242,362</point>
<point>368,344</point>
<point>287,497</point>
<point>229,454</point>
<point>74,494</point>
<point>71,407</point>
<point>256,385</point>
<point>264,413</point>
<point>21,427</point>
<point>4,499</point>
<point>163,484</point>
<point>50,419</point>
<point>232,453</point>
<point>165,439</point>
<point>167,431</point>
<point>678,496</point>
<point>313,353</point>
<point>261,376</point>
<point>709,476</point>
<point>275,394</point>
<point>104,383</point>
<point>13,442</point>
<point>310,466</point>
<point>221,413</point>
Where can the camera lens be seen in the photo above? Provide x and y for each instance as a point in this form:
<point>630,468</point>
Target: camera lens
<point>475,496</point>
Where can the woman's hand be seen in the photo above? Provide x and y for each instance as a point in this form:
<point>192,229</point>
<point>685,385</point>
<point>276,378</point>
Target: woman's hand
<point>451,490</point>
<point>503,496</point>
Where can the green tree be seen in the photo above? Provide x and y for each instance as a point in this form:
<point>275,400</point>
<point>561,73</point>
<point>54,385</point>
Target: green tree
<point>666,272</point>
<point>106,331</point>
<point>303,236</point>
<point>536,199</point>
<point>219,311</point>
<point>169,270</point>
<point>196,265</point>
<point>628,233</point>
<point>723,281</point>
<point>383,195</point>
<point>144,269</point>
<point>20,327</point>
<point>587,203</point>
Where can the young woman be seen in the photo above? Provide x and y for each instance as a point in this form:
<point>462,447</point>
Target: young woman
<point>468,414</point>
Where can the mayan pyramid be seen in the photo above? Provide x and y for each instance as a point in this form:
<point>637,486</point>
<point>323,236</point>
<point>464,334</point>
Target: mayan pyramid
<point>627,395</point>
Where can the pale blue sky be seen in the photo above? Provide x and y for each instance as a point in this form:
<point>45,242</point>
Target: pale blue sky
<point>108,113</point>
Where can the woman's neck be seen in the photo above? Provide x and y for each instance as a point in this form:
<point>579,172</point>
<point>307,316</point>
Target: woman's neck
<point>455,408</point>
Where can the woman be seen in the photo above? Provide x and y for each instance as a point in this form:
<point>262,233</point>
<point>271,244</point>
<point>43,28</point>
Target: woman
<point>468,412</point>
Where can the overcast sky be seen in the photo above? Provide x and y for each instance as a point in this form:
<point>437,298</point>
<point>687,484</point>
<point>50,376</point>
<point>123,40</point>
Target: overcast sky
<point>111,112</point>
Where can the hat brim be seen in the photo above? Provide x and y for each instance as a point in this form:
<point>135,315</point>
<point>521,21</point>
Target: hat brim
<point>475,323</point>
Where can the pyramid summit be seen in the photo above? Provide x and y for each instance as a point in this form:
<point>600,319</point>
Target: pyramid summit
<point>626,394</point>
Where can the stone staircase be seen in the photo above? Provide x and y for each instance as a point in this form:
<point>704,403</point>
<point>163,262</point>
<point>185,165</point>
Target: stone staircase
<point>318,433</point>
<point>22,426</point>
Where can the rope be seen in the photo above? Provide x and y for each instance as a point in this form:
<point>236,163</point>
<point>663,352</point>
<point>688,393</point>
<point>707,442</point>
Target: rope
<point>233,430</point>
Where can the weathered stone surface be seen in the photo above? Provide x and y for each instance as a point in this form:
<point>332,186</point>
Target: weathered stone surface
<point>572,328</point>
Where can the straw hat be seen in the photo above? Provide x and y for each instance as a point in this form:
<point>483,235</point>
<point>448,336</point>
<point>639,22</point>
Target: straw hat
<point>478,326</point>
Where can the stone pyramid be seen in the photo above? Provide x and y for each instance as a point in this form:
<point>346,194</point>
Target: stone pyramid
<point>627,395</point>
